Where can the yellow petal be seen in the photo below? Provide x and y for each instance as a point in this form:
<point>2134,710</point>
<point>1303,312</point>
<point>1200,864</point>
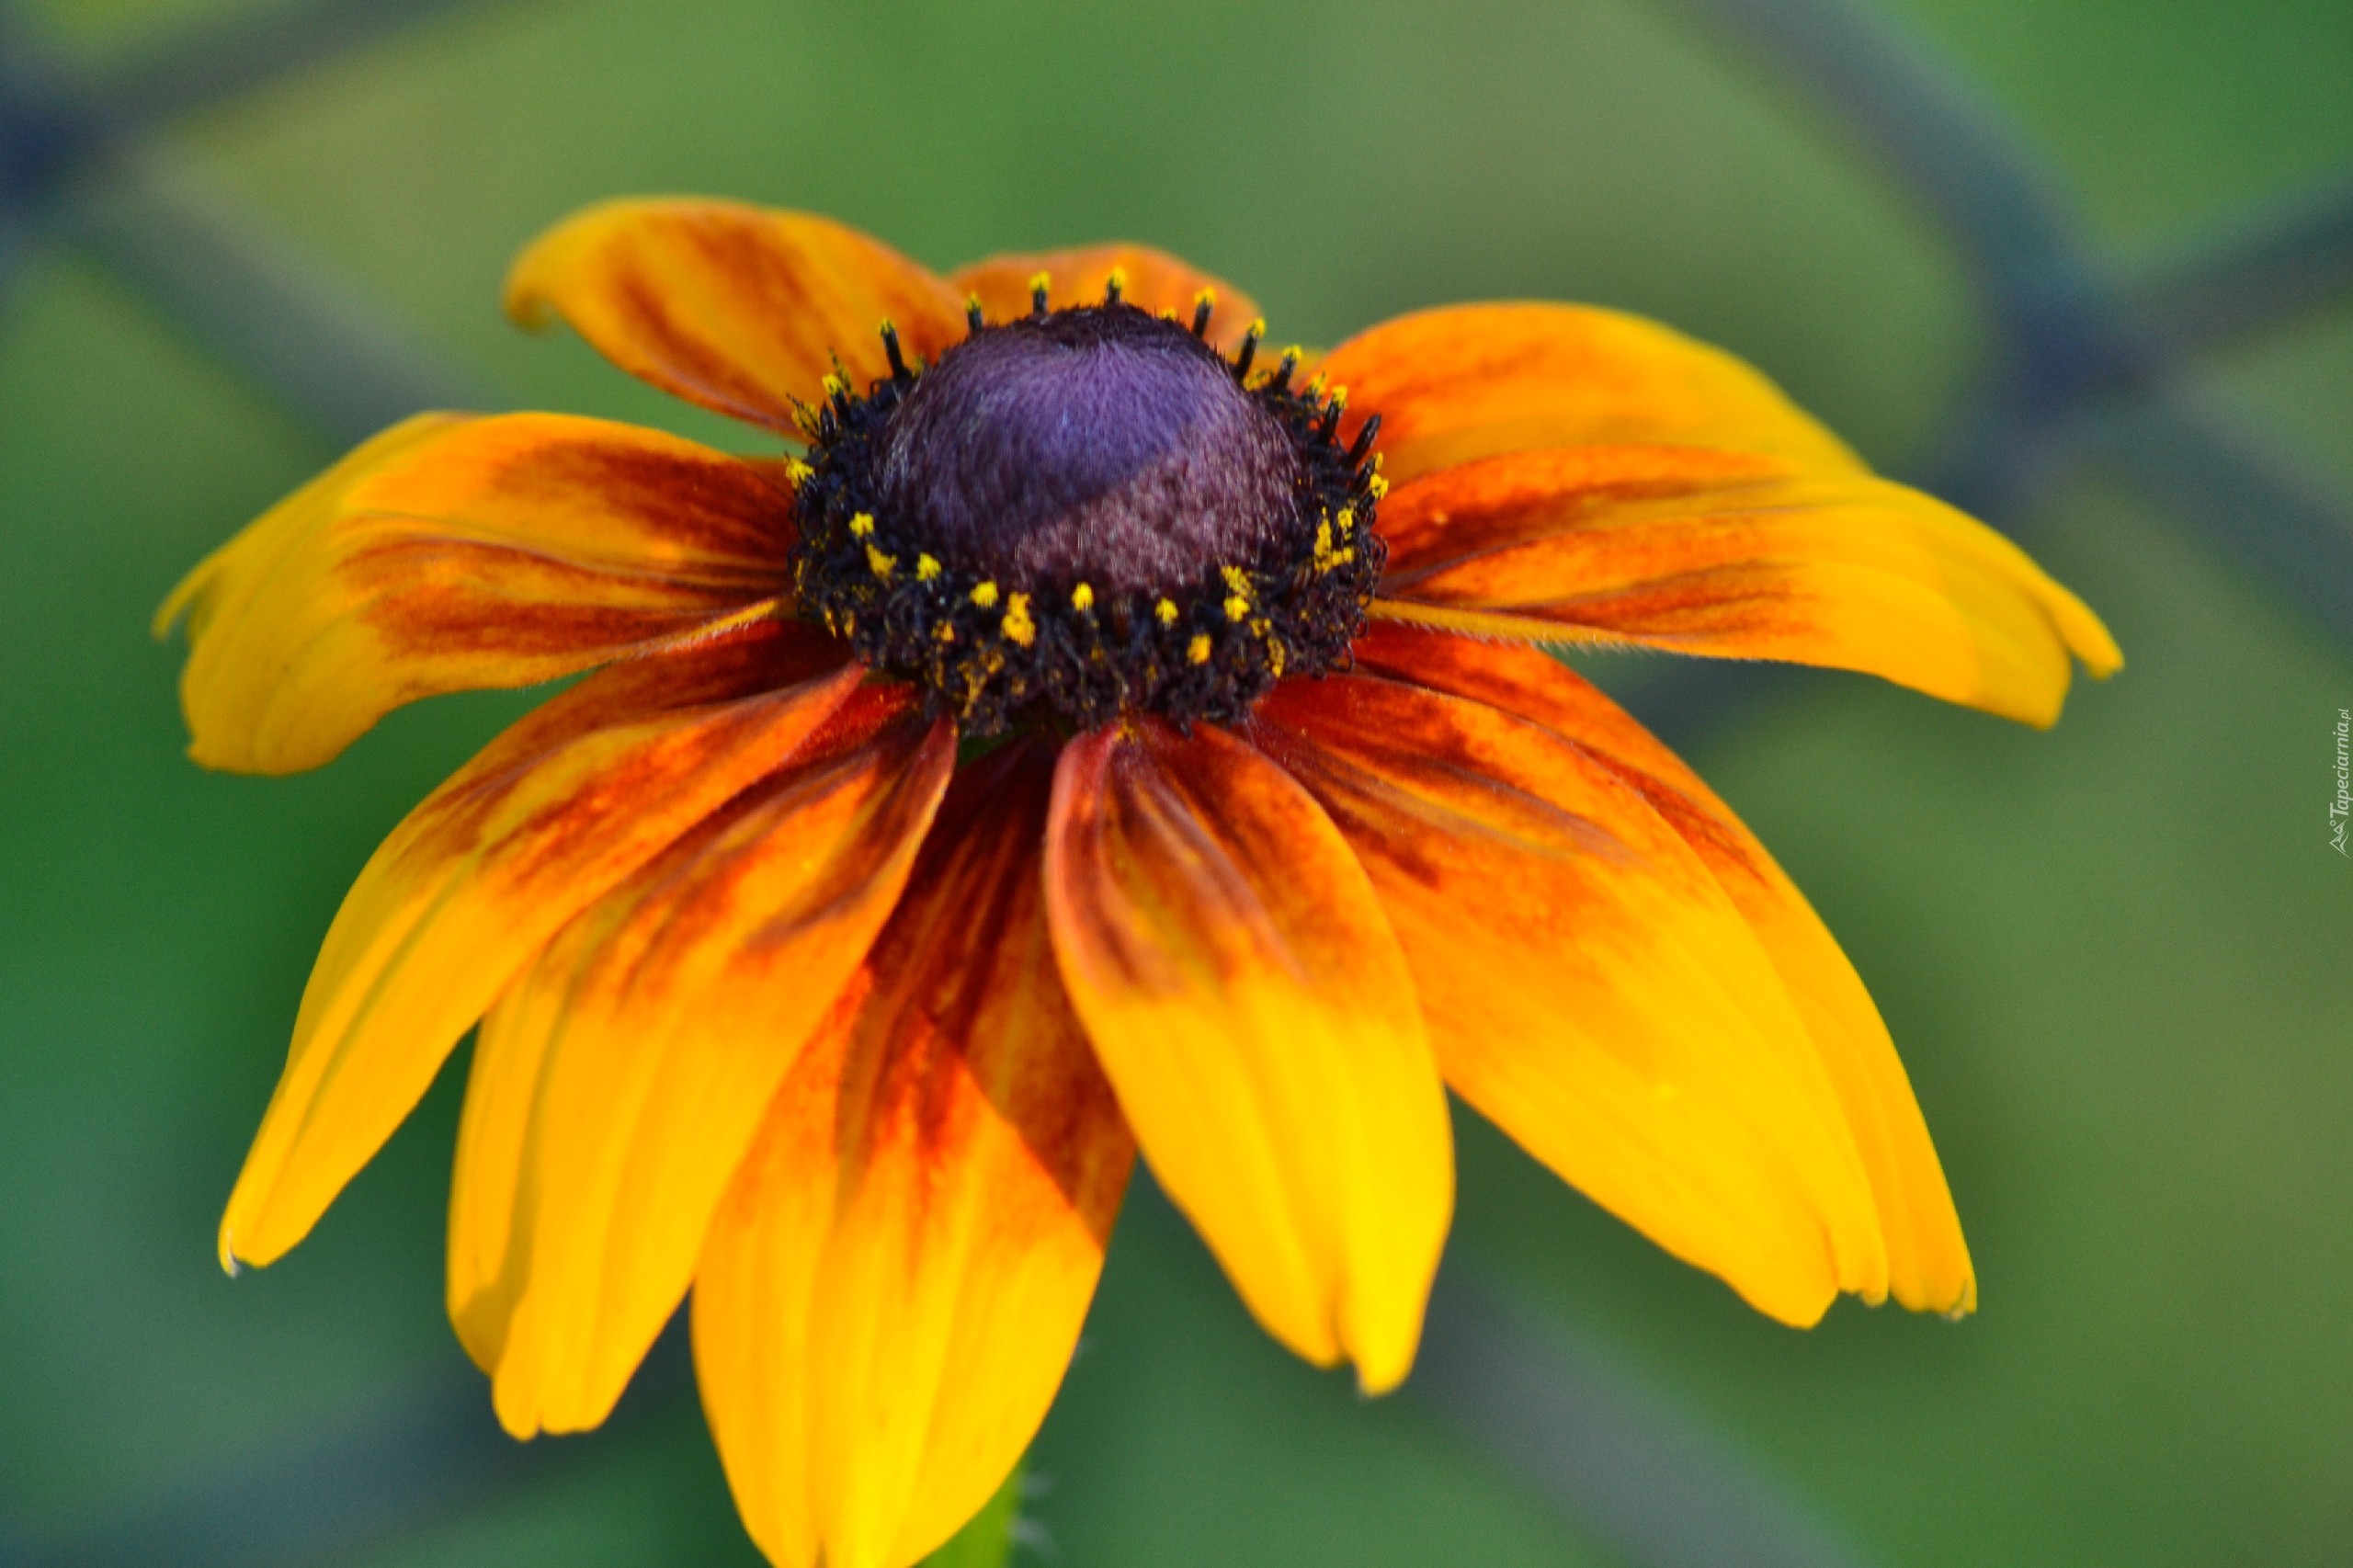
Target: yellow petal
<point>890,1292</point>
<point>548,817</point>
<point>1152,280</point>
<point>1590,986</point>
<point>1737,555</point>
<point>453,552</point>
<point>621,1078</point>
<point>1927,1261</point>
<point>740,309</point>
<point>1253,1010</point>
<point>1469,382</point>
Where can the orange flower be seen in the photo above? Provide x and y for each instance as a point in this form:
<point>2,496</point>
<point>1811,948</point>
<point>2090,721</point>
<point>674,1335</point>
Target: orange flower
<point>1103,736</point>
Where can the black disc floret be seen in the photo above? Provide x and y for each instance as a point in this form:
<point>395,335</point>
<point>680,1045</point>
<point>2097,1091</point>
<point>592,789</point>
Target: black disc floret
<point>1085,512</point>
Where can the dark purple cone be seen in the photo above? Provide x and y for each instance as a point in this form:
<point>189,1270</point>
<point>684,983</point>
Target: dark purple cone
<point>1097,446</point>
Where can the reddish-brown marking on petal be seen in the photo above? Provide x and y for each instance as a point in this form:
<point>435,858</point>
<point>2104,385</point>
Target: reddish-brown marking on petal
<point>766,657</point>
<point>1251,1006</point>
<point>740,309</point>
<point>1498,503</point>
<point>1929,1264</point>
<point>1739,556</point>
<point>978,882</point>
<point>547,818</point>
<point>458,553</point>
<point>736,507</point>
<point>1590,986</point>
<point>623,1075</point>
<point>1468,382</point>
<point>889,1297</point>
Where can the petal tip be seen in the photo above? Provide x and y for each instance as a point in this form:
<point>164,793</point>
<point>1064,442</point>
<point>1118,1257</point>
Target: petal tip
<point>1375,1377</point>
<point>175,605</point>
<point>521,297</point>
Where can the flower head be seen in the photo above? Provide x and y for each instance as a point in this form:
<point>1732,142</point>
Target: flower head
<point>1270,825</point>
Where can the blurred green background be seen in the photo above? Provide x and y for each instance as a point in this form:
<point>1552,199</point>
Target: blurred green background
<point>2116,956</point>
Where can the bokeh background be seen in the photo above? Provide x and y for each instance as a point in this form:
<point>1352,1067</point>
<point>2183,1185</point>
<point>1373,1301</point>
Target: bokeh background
<point>2087,266</point>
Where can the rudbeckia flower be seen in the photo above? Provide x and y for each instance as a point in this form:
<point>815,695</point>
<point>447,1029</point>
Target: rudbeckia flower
<point>1108,735</point>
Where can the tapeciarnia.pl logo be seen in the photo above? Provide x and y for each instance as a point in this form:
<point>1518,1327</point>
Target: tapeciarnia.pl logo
<point>2339,808</point>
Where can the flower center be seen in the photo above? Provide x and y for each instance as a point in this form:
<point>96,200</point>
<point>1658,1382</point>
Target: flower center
<point>1087,512</point>
<point>1098,445</point>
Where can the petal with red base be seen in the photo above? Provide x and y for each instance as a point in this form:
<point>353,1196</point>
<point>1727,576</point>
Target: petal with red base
<point>1469,382</point>
<point>618,1083</point>
<point>741,308</point>
<point>1737,555</point>
<point>1590,987</point>
<point>453,552</point>
<point>1251,1006</point>
<point>1929,1264</point>
<point>895,1283</point>
<point>547,818</point>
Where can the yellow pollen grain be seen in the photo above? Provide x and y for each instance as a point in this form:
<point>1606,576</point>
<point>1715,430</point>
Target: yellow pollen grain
<point>835,387</point>
<point>862,525</point>
<point>881,565</point>
<point>1198,650</point>
<point>985,594</point>
<point>1316,386</point>
<point>1348,517</point>
<point>1038,284</point>
<point>1324,537</point>
<point>1376,486</point>
<point>944,632</point>
<point>1236,607</point>
<point>1018,626</point>
<point>1258,326</point>
<point>1082,599</point>
<point>926,568</point>
<point>1167,313</point>
<point>1116,280</point>
<point>1166,612</point>
<point>1339,397</point>
<point>1275,656</point>
<point>799,473</point>
<point>1206,297</point>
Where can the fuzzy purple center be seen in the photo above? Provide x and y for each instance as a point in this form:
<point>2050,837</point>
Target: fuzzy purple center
<point>1102,446</point>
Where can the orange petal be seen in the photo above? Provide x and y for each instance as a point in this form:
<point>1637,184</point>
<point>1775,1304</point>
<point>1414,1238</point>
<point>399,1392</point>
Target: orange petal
<point>622,1079</point>
<point>1927,1261</point>
<point>547,818</point>
<point>740,309</point>
<point>1253,1010</point>
<point>1154,282</point>
<point>453,552</point>
<point>1590,987</point>
<point>891,1291</point>
<point>1469,382</point>
<point>1741,556</point>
